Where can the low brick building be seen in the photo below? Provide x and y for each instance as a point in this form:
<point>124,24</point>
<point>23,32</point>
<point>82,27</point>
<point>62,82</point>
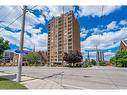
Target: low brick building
<point>123,45</point>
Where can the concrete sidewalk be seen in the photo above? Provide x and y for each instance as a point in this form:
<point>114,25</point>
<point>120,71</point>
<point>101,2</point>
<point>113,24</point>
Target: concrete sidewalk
<point>33,83</point>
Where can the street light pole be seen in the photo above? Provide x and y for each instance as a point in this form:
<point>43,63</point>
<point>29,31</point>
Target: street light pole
<point>21,46</point>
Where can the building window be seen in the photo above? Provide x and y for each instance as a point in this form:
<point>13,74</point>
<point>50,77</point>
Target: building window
<point>69,39</point>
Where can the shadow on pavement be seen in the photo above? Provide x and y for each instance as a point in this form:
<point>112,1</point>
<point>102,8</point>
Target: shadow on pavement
<point>11,77</point>
<point>61,74</point>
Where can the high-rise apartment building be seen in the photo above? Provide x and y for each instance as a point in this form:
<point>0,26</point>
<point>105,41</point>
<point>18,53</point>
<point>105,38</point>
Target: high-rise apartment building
<point>63,36</point>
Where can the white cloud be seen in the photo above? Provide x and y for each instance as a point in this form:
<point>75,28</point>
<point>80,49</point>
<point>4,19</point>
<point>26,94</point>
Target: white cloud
<point>96,31</point>
<point>58,10</point>
<point>108,55</point>
<point>83,33</point>
<point>123,22</point>
<point>32,30</point>
<point>40,40</point>
<point>31,19</point>
<point>96,10</point>
<point>52,11</point>
<point>112,25</point>
<point>106,41</point>
<point>9,14</point>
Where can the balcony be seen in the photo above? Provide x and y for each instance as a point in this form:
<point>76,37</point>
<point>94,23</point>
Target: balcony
<point>60,34</point>
<point>60,39</point>
<point>69,28</point>
<point>49,34</point>
<point>49,26</point>
<point>48,45</point>
<point>70,47</point>
<point>69,17</point>
<point>60,45</point>
<point>60,28</point>
<point>70,39</point>
<point>70,43</point>
<point>70,36</point>
<point>59,52</point>
<point>59,18</point>
<point>60,31</point>
<point>59,48</point>
<point>60,21</point>
<point>49,38</point>
<point>70,33</point>
<point>70,22</point>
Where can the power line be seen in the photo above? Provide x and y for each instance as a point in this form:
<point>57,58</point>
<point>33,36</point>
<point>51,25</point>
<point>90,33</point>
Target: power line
<point>7,15</point>
<point>33,7</point>
<point>38,19</point>
<point>12,22</point>
<point>30,10</point>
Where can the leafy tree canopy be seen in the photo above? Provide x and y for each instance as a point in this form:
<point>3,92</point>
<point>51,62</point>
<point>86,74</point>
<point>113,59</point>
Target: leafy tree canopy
<point>4,45</point>
<point>73,57</point>
<point>32,58</point>
<point>93,62</point>
<point>120,59</point>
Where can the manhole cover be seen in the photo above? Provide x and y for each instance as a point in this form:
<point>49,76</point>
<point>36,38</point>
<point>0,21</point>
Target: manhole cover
<point>86,76</point>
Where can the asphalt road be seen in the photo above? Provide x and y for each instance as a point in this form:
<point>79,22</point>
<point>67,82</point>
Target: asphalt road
<point>78,78</point>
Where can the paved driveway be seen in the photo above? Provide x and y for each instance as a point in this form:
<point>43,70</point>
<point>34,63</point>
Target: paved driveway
<point>78,78</point>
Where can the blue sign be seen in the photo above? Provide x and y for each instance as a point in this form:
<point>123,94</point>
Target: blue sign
<point>24,52</point>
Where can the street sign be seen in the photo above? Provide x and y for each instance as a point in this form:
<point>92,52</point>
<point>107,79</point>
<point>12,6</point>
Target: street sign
<point>24,52</point>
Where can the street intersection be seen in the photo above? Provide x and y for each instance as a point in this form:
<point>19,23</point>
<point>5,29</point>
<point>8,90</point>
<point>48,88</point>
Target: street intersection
<point>73,78</point>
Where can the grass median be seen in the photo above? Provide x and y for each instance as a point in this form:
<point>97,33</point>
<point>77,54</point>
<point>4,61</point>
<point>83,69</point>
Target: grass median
<point>8,84</point>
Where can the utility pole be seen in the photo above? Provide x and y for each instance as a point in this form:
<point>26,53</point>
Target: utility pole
<point>21,46</point>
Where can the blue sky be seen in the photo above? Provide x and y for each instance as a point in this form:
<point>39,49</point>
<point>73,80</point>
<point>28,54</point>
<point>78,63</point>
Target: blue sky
<point>101,26</point>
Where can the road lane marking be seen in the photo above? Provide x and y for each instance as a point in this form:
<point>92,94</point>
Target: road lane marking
<point>72,86</point>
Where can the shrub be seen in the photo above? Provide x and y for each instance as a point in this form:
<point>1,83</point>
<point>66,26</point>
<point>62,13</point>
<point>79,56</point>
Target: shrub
<point>102,63</point>
<point>85,65</point>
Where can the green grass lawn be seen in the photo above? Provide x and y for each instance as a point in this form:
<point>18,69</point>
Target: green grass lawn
<point>8,84</point>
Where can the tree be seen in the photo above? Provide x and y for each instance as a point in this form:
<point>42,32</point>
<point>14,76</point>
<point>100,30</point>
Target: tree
<point>73,57</point>
<point>102,63</point>
<point>32,58</point>
<point>43,57</point>
<point>4,45</point>
<point>120,59</point>
<point>93,62</point>
<point>113,60</point>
